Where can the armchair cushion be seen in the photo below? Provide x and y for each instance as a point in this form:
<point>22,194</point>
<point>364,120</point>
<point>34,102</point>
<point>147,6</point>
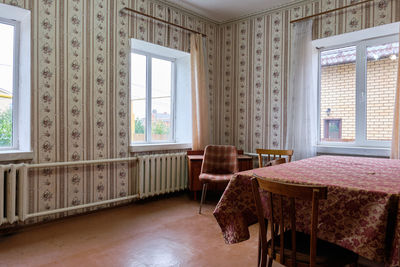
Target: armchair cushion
<point>220,160</point>
<point>215,178</point>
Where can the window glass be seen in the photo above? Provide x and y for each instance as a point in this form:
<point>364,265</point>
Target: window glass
<point>333,129</point>
<point>151,101</point>
<point>6,84</point>
<point>138,97</point>
<point>338,95</point>
<point>382,63</point>
<point>161,100</point>
<point>357,92</point>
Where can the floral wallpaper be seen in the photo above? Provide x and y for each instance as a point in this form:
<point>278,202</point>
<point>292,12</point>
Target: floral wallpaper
<point>80,91</point>
<point>80,82</point>
<point>80,100</point>
<point>143,29</point>
<point>254,69</point>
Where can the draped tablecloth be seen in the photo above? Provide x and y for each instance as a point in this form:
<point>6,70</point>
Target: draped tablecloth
<point>361,212</point>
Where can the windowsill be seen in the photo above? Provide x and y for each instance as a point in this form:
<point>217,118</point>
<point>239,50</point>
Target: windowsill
<point>11,155</point>
<point>352,150</point>
<point>158,147</point>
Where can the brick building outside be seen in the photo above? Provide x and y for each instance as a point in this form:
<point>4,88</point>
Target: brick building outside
<point>338,94</point>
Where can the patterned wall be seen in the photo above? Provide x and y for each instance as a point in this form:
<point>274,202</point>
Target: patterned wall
<point>169,36</point>
<point>255,56</point>
<point>80,91</point>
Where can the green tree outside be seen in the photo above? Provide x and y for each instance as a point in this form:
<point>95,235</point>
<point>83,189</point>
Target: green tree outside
<point>6,128</point>
<point>139,127</point>
<point>159,127</point>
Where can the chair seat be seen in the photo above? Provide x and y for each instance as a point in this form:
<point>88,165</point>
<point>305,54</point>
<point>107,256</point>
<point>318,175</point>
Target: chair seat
<point>328,254</point>
<point>215,178</point>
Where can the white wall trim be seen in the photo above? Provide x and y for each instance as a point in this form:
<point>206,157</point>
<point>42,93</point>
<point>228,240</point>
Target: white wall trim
<point>13,155</point>
<point>261,12</point>
<point>158,147</point>
<point>354,151</point>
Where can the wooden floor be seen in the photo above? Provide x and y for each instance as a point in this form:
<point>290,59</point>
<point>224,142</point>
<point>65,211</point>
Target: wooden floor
<point>167,232</point>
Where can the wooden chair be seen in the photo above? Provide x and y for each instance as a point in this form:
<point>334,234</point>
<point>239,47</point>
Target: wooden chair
<point>273,154</point>
<point>219,165</point>
<point>287,246</point>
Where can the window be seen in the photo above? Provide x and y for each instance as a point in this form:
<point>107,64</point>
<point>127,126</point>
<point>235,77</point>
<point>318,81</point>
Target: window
<point>332,129</point>
<point>8,82</point>
<point>151,97</point>
<point>357,92</point>
<point>160,97</point>
<point>15,82</point>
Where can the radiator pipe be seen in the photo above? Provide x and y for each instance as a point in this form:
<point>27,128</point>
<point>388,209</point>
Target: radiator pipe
<point>49,212</point>
<point>82,162</point>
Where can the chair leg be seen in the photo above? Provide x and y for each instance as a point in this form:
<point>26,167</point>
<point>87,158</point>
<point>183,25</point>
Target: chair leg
<point>203,196</point>
<point>259,249</point>
<point>355,264</point>
<point>270,262</point>
<point>262,254</point>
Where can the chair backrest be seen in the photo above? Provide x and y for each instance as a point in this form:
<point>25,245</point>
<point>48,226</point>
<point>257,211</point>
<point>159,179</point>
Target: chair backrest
<point>291,191</point>
<point>273,154</point>
<point>276,162</point>
<point>220,160</point>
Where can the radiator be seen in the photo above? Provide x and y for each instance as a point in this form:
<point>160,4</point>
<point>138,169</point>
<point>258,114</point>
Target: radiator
<point>157,174</point>
<point>12,200</point>
<point>162,173</point>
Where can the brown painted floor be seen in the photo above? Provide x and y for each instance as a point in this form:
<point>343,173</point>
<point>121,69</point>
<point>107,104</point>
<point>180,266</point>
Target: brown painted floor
<point>167,232</point>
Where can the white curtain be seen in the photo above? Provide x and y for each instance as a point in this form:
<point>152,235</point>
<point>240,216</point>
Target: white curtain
<point>201,125</point>
<point>302,94</point>
<point>395,153</point>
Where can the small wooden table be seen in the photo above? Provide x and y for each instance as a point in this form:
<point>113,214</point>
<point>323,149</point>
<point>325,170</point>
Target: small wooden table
<point>195,159</point>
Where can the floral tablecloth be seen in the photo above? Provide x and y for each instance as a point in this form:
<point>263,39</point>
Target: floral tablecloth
<point>360,214</point>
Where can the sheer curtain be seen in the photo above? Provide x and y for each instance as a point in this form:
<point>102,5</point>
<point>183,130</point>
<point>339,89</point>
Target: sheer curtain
<point>201,136</point>
<point>395,153</point>
<point>302,94</point>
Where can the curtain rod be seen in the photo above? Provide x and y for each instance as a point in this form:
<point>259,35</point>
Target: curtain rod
<point>163,21</point>
<point>329,11</point>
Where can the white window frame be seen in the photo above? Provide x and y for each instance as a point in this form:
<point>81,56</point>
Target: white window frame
<point>15,91</point>
<point>149,57</point>
<point>361,103</point>
<point>22,146</point>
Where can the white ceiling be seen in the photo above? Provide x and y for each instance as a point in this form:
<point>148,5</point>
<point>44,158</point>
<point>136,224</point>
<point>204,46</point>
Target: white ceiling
<point>226,10</point>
